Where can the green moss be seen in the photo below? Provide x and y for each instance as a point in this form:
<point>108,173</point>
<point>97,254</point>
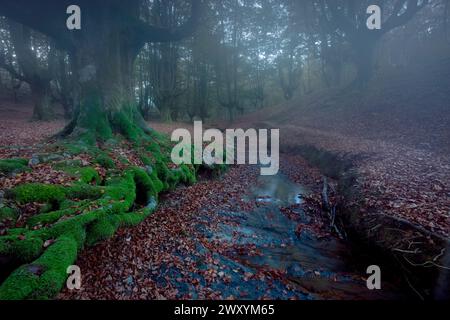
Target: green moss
<point>83,214</point>
<point>81,192</point>
<point>94,120</point>
<point>163,173</point>
<point>23,248</point>
<point>134,218</point>
<point>16,165</point>
<point>84,174</point>
<point>105,161</point>
<point>75,148</point>
<point>8,214</point>
<point>36,192</point>
<point>88,175</point>
<point>144,184</point>
<point>46,208</point>
<point>44,278</point>
<point>102,229</point>
<point>50,217</point>
<point>127,127</point>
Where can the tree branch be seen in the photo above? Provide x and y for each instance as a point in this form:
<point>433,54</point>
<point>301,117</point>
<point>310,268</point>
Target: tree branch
<point>11,70</point>
<point>147,33</point>
<point>45,16</point>
<point>397,19</point>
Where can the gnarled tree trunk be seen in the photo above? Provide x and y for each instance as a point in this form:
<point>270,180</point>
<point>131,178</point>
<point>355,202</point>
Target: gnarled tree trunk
<point>104,50</point>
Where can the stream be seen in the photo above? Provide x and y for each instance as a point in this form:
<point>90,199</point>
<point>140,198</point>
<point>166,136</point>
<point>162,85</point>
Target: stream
<point>272,260</point>
<point>243,236</point>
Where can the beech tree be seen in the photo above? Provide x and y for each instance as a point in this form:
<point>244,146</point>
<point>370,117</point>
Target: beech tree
<point>104,49</point>
<point>350,18</point>
<point>37,75</point>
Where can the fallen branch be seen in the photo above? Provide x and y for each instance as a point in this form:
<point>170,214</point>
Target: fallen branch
<point>330,209</point>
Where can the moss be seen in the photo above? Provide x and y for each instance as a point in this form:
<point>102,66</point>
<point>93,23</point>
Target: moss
<point>144,184</point>
<point>46,208</point>
<point>89,175</point>
<point>27,249</point>
<point>67,226</point>
<point>157,183</point>
<point>75,148</point>
<point>23,248</point>
<point>36,192</point>
<point>94,120</point>
<point>44,278</point>
<point>16,165</point>
<point>105,161</point>
<point>134,218</point>
<point>83,214</point>
<point>8,214</point>
<point>81,192</point>
<point>187,174</point>
<point>145,159</point>
<point>85,174</point>
<point>163,173</point>
<point>102,229</point>
<point>127,127</point>
<point>50,217</point>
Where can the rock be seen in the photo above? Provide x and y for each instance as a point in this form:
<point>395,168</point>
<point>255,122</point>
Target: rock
<point>129,280</point>
<point>35,269</point>
<point>152,203</point>
<point>44,158</point>
<point>149,170</point>
<point>34,161</point>
<point>52,157</point>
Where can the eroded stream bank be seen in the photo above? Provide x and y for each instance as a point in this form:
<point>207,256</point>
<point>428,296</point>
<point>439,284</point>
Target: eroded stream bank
<point>242,236</point>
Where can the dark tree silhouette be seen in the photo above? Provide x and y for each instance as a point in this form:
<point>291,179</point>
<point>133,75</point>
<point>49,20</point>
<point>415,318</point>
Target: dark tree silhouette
<point>104,50</point>
<point>350,17</point>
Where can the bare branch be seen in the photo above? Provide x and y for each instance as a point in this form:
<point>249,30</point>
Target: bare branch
<point>398,19</point>
<point>45,16</point>
<point>147,33</point>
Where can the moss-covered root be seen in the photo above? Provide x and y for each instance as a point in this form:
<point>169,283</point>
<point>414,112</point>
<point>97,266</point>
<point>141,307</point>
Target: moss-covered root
<point>10,166</point>
<point>82,214</point>
<point>44,277</point>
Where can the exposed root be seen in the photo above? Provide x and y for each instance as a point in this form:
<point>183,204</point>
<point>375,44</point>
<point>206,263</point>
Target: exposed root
<point>82,214</point>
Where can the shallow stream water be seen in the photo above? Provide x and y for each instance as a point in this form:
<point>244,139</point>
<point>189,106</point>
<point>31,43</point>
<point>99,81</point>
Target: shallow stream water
<point>310,265</point>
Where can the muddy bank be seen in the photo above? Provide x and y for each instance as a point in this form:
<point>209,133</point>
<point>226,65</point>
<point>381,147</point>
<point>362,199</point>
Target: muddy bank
<point>419,257</point>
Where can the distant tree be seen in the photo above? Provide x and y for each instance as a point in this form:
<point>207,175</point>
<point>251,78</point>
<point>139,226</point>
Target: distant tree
<point>111,36</point>
<point>349,19</point>
<point>33,63</point>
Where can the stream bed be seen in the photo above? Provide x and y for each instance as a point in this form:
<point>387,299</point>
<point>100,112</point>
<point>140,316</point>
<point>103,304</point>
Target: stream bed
<point>243,236</point>
<point>267,257</point>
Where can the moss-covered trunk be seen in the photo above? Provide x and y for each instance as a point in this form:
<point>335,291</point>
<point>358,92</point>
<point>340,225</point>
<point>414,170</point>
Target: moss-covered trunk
<point>105,62</point>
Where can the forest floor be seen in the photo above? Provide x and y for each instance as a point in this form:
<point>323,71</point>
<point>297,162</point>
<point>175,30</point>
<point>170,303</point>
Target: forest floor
<point>399,149</point>
<point>181,251</point>
<point>218,239</point>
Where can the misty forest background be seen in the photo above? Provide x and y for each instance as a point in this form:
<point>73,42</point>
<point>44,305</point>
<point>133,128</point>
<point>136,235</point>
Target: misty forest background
<point>244,56</point>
